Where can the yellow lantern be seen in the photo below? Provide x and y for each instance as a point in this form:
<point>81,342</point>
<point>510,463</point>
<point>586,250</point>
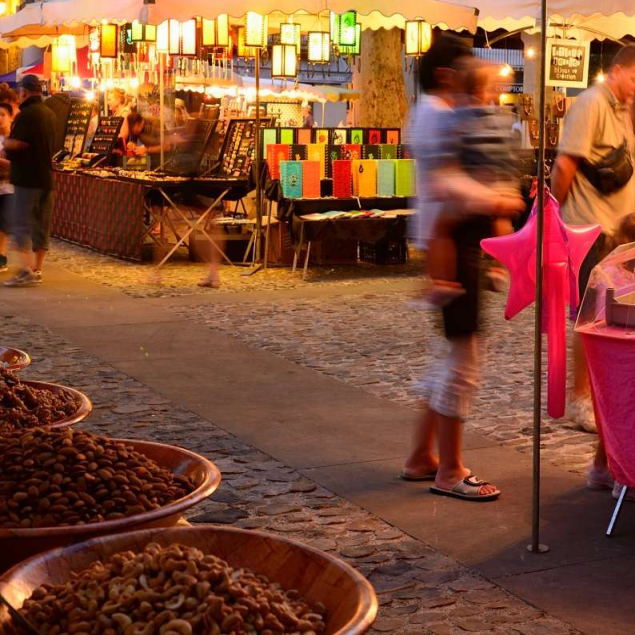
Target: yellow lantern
<point>63,54</point>
<point>319,47</point>
<point>242,49</point>
<point>418,37</point>
<point>3,8</point>
<point>256,28</point>
<point>142,32</point>
<point>109,41</point>
<point>216,32</point>
<point>169,37</point>
<point>189,38</point>
<point>284,61</point>
<point>291,34</point>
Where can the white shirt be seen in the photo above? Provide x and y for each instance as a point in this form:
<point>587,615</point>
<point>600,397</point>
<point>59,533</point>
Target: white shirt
<point>424,136</point>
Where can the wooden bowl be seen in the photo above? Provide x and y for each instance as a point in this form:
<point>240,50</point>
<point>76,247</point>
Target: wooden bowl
<point>18,544</point>
<point>349,598</point>
<point>84,404</point>
<point>13,358</point>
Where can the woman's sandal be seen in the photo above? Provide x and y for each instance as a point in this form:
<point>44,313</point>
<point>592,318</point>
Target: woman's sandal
<point>430,476</point>
<point>467,489</point>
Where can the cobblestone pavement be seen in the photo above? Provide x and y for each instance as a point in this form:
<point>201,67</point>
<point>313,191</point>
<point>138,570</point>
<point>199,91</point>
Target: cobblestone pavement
<point>179,276</point>
<point>421,591</point>
<point>377,342</point>
<point>384,344</point>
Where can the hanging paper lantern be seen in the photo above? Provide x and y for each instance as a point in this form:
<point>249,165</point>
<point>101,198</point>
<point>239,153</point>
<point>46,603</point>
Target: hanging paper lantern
<point>344,28</point>
<point>418,37</point>
<point>60,58</point>
<point>142,32</point>
<point>357,47</point>
<point>284,61</point>
<point>189,38</point>
<point>109,41</point>
<point>169,37</point>
<point>256,28</point>
<point>319,47</point>
<point>242,50</point>
<point>215,32</point>
<point>291,34</point>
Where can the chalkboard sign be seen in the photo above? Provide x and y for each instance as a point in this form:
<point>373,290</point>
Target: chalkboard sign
<point>77,126</point>
<point>106,135</point>
<point>567,63</point>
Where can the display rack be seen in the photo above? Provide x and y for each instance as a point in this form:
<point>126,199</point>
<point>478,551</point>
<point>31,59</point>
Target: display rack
<point>106,136</point>
<point>77,126</point>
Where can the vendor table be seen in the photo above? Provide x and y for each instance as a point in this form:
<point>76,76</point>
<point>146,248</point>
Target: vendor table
<point>115,215</point>
<point>104,214</point>
<point>610,353</point>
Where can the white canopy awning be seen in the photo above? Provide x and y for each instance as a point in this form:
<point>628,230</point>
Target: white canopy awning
<point>373,14</point>
<point>616,18</point>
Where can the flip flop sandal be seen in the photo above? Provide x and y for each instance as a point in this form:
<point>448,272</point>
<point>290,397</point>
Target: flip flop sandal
<point>467,489</point>
<point>424,477</point>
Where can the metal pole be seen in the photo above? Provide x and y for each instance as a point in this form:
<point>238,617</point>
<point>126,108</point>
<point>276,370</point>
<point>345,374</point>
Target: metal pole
<point>161,105</point>
<point>258,163</point>
<point>535,546</point>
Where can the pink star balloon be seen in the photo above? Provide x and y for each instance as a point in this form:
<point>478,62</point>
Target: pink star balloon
<point>564,249</point>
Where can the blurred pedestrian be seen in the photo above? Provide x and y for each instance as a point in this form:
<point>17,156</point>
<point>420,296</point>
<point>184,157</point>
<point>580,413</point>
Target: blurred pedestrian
<point>593,182</point>
<point>6,189</point>
<point>30,151</point>
<point>450,387</point>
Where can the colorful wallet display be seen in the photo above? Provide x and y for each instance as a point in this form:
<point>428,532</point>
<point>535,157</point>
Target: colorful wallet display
<point>405,178</point>
<point>277,152</point>
<point>342,178</point>
<point>365,178</point>
<point>311,179</point>
<point>291,178</point>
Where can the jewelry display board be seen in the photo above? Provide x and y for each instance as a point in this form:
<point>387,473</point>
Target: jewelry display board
<point>77,126</point>
<point>238,151</point>
<point>106,135</point>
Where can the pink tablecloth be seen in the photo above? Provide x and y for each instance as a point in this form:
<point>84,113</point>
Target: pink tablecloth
<point>610,354</point>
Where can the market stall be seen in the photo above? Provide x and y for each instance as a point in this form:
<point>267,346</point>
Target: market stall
<point>134,44</point>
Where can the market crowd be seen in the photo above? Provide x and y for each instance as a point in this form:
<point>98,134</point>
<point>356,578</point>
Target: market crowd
<point>28,142</point>
<point>469,190</point>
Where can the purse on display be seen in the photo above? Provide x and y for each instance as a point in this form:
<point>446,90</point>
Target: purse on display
<point>277,152</point>
<point>311,179</point>
<point>317,152</point>
<point>365,178</point>
<point>386,177</point>
<point>291,179</point>
<point>342,178</point>
<point>405,178</point>
<point>351,151</point>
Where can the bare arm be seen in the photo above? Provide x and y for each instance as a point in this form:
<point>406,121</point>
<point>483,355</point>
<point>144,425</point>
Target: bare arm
<point>453,184</point>
<point>15,144</point>
<point>564,172</point>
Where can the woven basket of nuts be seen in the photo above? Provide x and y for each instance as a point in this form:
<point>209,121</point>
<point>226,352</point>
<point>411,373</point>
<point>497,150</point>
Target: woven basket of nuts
<point>203,580</point>
<point>60,486</point>
<point>13,358</point>
<point>28,404</point>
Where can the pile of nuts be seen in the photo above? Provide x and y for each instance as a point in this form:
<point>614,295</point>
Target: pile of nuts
<point>175,590</point>
<point>22,406</point>
<point>61,477</point>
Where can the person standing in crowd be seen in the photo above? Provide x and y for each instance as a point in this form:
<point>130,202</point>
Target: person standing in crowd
<point>6,189</point>
<point>119,106</point>
<point>307,117</point>
<point>450,387</point>
<point>597,135</point>
<point>30,151</point>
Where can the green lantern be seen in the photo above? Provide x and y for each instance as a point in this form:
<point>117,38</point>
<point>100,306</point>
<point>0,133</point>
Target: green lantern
<point>344,31</point>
